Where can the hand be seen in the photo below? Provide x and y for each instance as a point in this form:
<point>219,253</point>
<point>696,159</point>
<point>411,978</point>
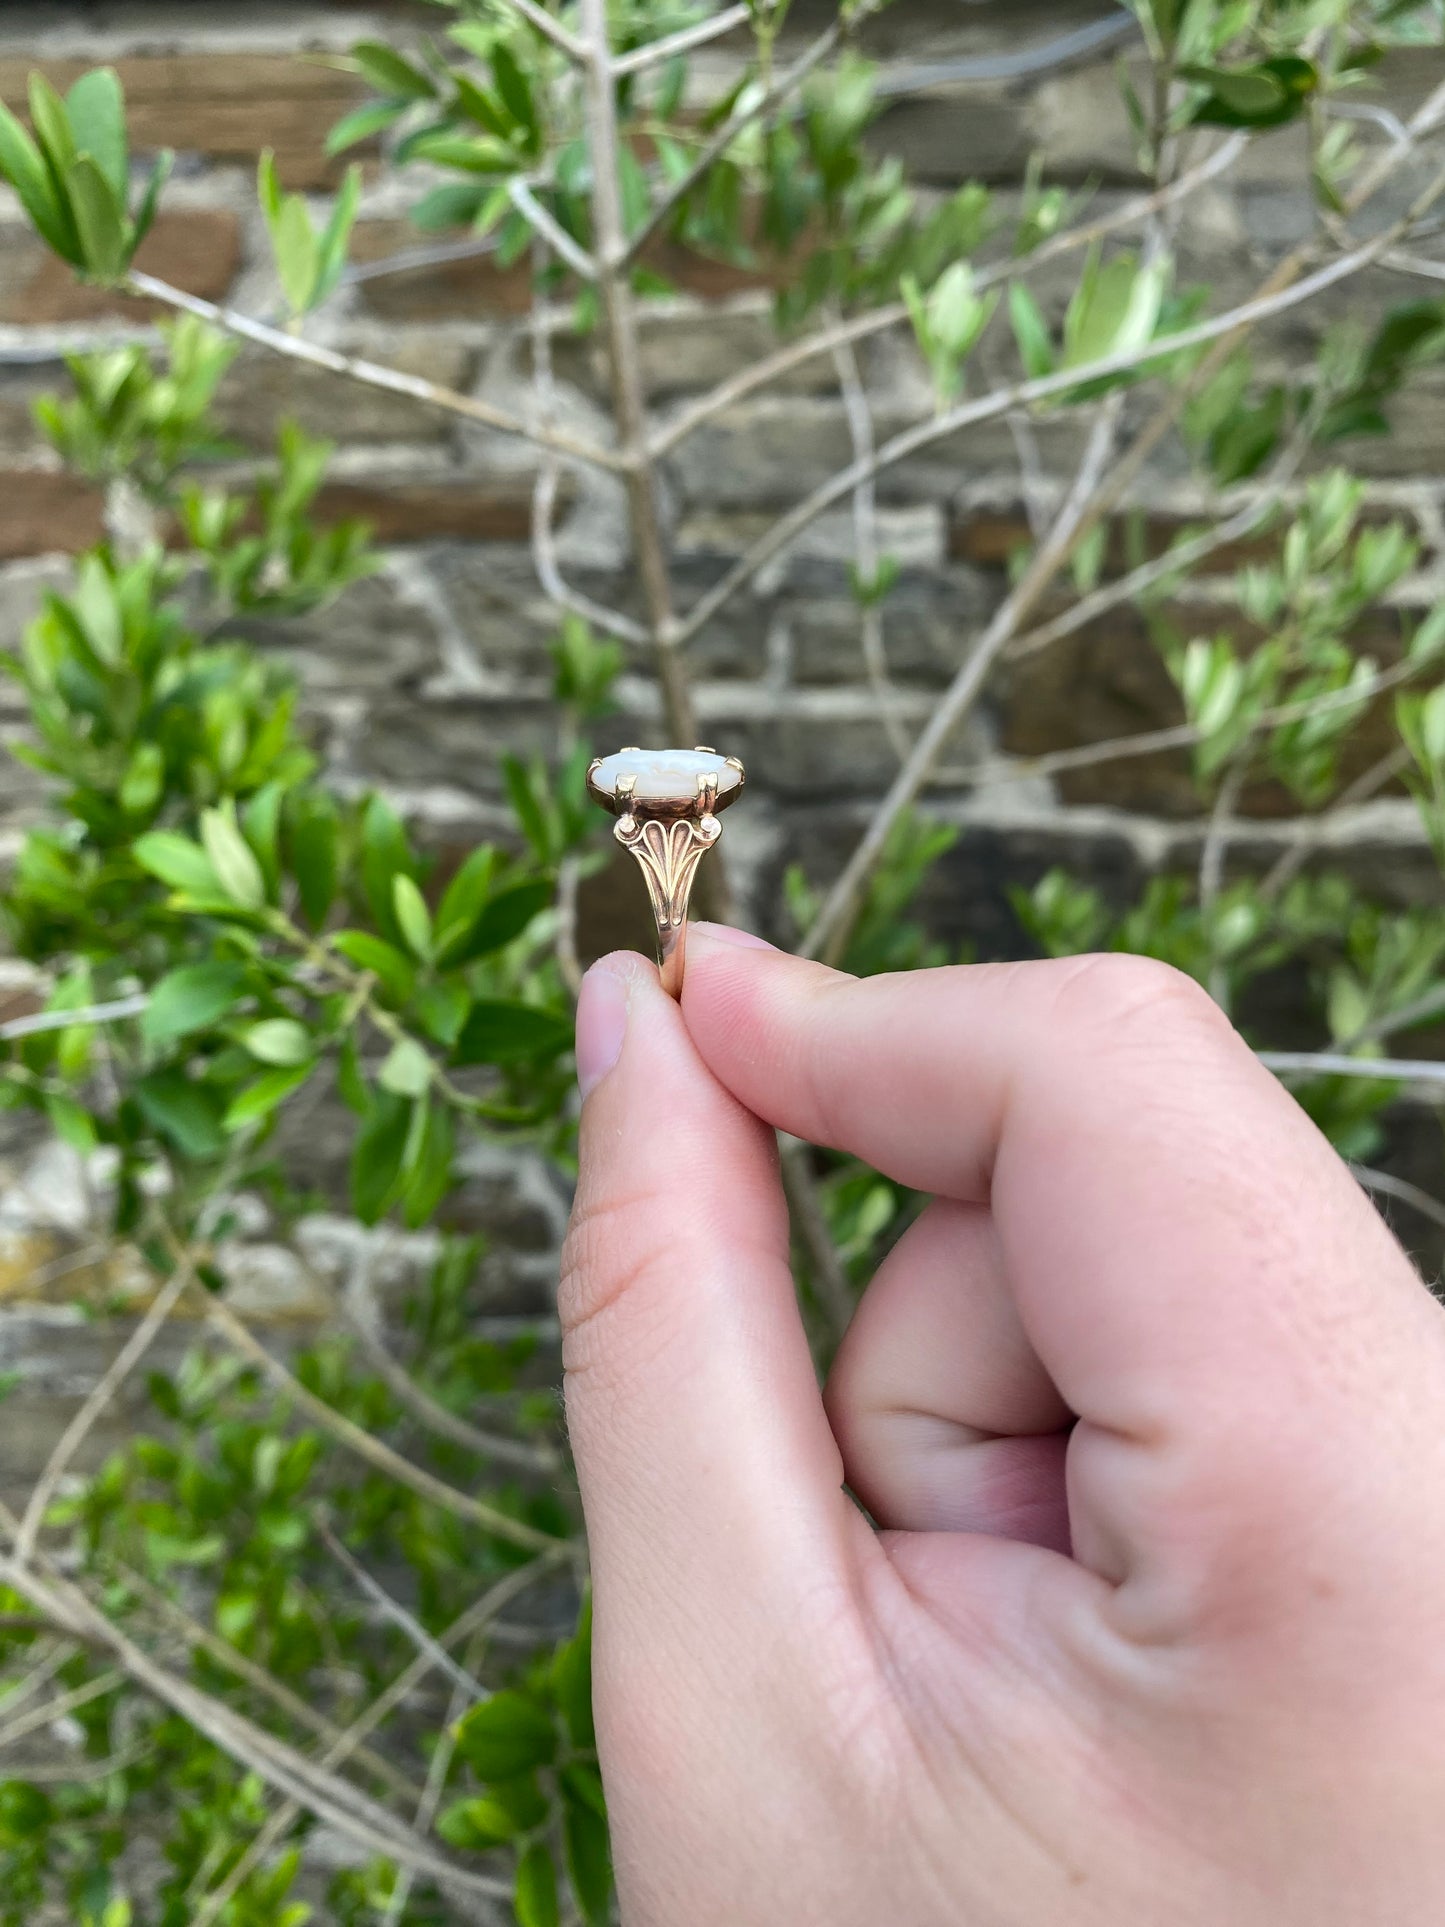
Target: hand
<point>1148,1408</point>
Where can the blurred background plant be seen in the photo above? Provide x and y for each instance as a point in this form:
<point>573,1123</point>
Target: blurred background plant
<point>338,1594</point>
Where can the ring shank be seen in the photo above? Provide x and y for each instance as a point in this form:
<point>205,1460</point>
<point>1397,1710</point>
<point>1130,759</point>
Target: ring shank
<point>671,956</point>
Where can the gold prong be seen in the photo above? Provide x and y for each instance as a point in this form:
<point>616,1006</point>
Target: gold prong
<point>625,786</point>
<point>628,749</point>
<point>734,762</point>
<point>703,749</point>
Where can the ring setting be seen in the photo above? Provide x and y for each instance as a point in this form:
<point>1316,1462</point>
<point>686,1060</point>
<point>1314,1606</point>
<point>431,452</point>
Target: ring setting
<point>667,803</point>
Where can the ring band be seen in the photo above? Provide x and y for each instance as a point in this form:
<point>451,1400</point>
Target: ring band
<point>666,803</point>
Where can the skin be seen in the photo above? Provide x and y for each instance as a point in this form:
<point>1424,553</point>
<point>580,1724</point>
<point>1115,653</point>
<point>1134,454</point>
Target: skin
<point>1146,1619</point>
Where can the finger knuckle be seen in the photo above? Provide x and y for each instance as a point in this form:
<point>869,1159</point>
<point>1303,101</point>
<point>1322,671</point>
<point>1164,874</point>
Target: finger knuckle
<point>1121,993</point>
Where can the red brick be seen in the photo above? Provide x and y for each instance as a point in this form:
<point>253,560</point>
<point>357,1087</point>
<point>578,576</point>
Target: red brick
<point>227,106</point>
<point>42,512</point>
<point>467,510</point>
<point>196,249</point>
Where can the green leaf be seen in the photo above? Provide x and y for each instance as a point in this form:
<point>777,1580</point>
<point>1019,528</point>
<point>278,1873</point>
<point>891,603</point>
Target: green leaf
<point>298,257</point>
<point>362,122</point>
<point>478,105</point>
<point>385,68</point>
<point>393,971</point>
<point>150,199</point>
<point>377,1155</point>
<point>336,239</point>
<point>95,106</point>
<point>72,1123</point>
<point>385,853</point>
<point>232,859</point>
<point>408,1069</point>
<point>515,91</point>
<point>314,847</point>
<point>506,1736</point>
<point>589,1860</point>
<point>428,1169</point>
<point>412,916</point>
<point>258,1100</point>
<point>279,1040</point>
<point>176,861</point>
<point>186,1114</point>
<point>52,125</point>
<point>572,1681</point>
<point>500,1031</point>
<point>189,999</point>
<point>1113,312</point>
<point>505,917</point>
<point>98,220</point>
<point>1036,347</point>
<point>518,1806</point>
<point>21,164</point>
<point>535,1899</point>
<point>268,187</point>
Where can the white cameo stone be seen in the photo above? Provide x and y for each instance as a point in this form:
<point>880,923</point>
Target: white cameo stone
<point>665,775</point>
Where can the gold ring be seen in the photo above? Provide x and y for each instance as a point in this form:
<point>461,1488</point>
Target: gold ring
<point>666,802</point>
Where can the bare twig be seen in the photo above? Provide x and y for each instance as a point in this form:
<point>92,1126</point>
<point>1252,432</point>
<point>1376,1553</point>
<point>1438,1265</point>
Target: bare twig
<point>44,1020</point>
<point>408,1622</point>
<point>984,408</point>
<point>865,541</point>
<point>551,231</point>
<point>761,104</point>
<point>550,29</point>
<point>477,1616</point>
<point>312,1787</point>
<point>356,1439</point>
<point>829,932</point>
<point>763,374</point>
<point>1388,1070</point>
<point>235,1661</point>
<point>840,906</point>
<point>657,51</point>
<point>58,1709</point>
<point>93,1407</point>
<point>830,1281</point>
<point>438,1768</point>
<point>371,374</point>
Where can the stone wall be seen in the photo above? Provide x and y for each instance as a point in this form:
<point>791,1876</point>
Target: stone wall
<point>419,678</point>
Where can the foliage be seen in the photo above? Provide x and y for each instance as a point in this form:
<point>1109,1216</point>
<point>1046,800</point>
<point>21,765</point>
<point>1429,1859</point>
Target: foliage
<point>234,945</point>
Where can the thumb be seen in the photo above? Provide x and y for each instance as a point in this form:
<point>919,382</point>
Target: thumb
<point>709,1477</point>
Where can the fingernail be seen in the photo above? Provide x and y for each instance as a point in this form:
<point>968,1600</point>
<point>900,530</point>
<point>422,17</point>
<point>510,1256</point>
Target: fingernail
<point>601,1024</point>
<point>725,933</point>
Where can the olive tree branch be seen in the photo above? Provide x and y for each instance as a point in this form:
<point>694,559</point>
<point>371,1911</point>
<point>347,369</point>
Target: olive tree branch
<point>370,374</point>
<point>756,109</point>
<point>543,23</point>
<point>830,928</point>
<point>94,1405</point>
<point>477,1616</point>
<point>1041,388</point>
<point>682,42</point>
<point>825,341</point>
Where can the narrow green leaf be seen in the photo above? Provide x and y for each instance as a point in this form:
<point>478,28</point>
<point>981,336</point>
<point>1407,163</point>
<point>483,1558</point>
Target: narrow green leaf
<point>190,998</point>
<point>505,917</point>
<point>428,1173</point>
<point>535,1899</point>
<point>572,1681</point>
<point>385,853</point>
<point>1031,332</point>
<point>268,189</point>
<point>412,916</point>
<point>52,125</point>
<point>258,1100</point>
<point>389,73</point>
<point>499,1031</point>
<point>392,970</point>
<point>176,860</point>
<point>515,90</point>
<point>145,213</point>
<point>362,122</point>
<point>297,253</point>
<point>331,254</point>
<point>232,860</point>
<point>95,106</point>
<point>377,1156</point>
<point>313,837</point>
<point>589,1860</point>
<point>21,164</point>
